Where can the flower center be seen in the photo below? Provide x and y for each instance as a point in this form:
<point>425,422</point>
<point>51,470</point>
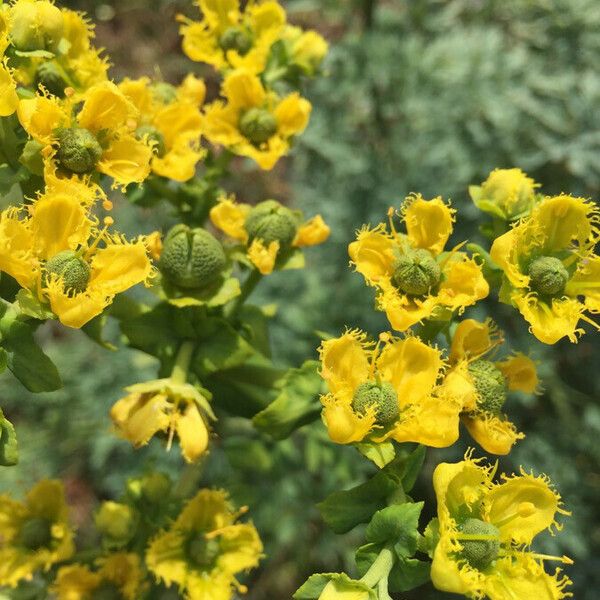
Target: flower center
<point>381,396</point>
<point>548,276</point>
<point>490,385</point>
<point>35,534</point>
<point>204,552</point>
<point>258,125</point>
<point>154,135</point>
<point>269,221</point>
<point>236,38</point>
<point>78,150</point>
<point>106,591</point>
<point>479,553</point>
<point>73,270</point>
<point>50,76</point>
<point>416,272</point>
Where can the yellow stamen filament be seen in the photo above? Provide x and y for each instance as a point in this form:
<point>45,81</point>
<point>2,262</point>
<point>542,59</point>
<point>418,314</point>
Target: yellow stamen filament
<point>108,221</point>
<point>563,559</point>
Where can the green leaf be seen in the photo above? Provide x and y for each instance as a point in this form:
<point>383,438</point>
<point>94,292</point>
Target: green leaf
<point>397,524</point>
<point>94,329</point>
<point>380,453</point>
<point>30,305</point>
<point>255,327</point>
<point>412,467</point>
<point>296,405</point>
<point>344,585</point>
<point>9,454</point>
<point>408,573</point>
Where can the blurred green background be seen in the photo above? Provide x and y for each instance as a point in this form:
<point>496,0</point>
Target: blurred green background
<point>422,95</point>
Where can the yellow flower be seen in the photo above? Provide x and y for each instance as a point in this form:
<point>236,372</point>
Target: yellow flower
<point>170,117</point>
<point>481,384</point>
<point>229,38</point>
<point>306,49</point>
<point>204,548</point>
<point>34,534</point>
<point>98,138</point>
<point>255,122</point>
<point>484,530</point>
<point>415,279</point>
<point>8,91</point>
<point>508,194</point>
<point>269,230</point>
<point>550,270</point>
<point>386,391</point>
<point>164,406</point>
<point>119,575</point>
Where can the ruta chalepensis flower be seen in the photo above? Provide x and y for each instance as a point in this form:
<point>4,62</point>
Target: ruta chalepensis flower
<point>54,248</point>
<point>170,117</point>
<point>255,122</point>
<point>508,194</point>
<point>414,277</point>
<point>205,548</point>
<point>269,230</point>
<point>386,390</point>
<point>98,138</point>
<point>229,38</point>
<point>485,530</point>
<point>481,383</point>
<point>551,273</point>
<point>305,50</point>
<point>34,534</point>
<point>119,575</point>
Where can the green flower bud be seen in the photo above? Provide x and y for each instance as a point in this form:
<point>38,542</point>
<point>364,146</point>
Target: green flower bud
<point>156,487</point>
<point>154,135</point>
<point>416,272</point>
<point>51,77</point>
<point>116,521</point>
<point>78,150</point>
<point>36,26</point>
<point>191,258</point>
<point>490,385</point>
<point>480,553</point>
<point>75,272</point>
<point>164,92</point>
<point>35,534</point>
<point>203,552</point>
<point>548,276</point>
<point>106,591</point>
<point>383,396</point>
<point>236,38</point>
<point>258,125</point>
<point>269,221</point>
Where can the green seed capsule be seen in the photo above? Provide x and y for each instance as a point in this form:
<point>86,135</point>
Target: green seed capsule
<point>548,276</point>
<point>480,553</point>
<point>203,552</point>
<point>258,125</point>
<point>35,534</point>
<point>75,272</point>
<point>269,221</point>
<point>236,38</point>
<point>382,396</point>
<point>78,150</point>
<point>490,385</point>
<point>416,272</point>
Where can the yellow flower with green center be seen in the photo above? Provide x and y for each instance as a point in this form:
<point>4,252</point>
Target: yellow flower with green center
<point>253,121</point>
<point>54,248</point>
<point>205,548</point>
<point>98,138</point>
<point>119,576</point>
<point>414,277</point>
<point>230,38</point>
<point>172,121</point>
<point>387,390</point>
<point>508,194</point>
<point>551,273</point>
<point>269,230</point>
<point>306,49</point>
<point>485,530</point>
<point>481,384</point>
<point>35,533</point>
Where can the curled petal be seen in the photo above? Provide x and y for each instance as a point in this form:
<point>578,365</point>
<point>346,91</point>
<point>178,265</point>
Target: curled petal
<point>263,257</point>
<point>492,433</point>
<point>373,254</point>
<point>343,424</point>
<point>105,107</point>
<point>471,339</point>
<point>192,432</point>
<point>292,115</point>
<point>521,373</point>
<point>127,160</point>
<point>243,89</point>
<point>428,222</point>
<point>463,284</point>
<point>586,282</point>
<point>229,217</point>
<point>312,233</point>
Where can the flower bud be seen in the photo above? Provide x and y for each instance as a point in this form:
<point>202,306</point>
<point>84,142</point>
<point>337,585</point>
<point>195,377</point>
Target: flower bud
<point>258,125</point>
<point>73,270</point>
<point>191,258</point>
<point>78,150</point>
<point>548,276</point>
<point>490,385</point>
<point>116,521</point>
<point>382,396</point>
<point>416,272</point>
<point>480,553</point>
<point>236,38</point>
<point>35,534</point>
<point>154,135</point>
<point>51,77</point>
<point>269,222</point>
<point>36,25</point>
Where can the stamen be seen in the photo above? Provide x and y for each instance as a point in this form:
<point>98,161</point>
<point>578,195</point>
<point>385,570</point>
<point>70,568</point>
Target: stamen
<point>108,221</point>
<point>563,559</point>
<point>107,204</point>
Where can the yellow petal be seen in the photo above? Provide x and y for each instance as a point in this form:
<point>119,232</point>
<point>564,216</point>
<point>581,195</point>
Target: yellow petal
<point>428,222</point>
<point>241,548</point>
<point>220,14</point>
<point>243,89</point>
<point>229,217</point>
<point>458,385</point>
<point>105,107</point>
<point>214,585</point>
<point>263,257</point>
<point>267,155</point>
<point>192,90</point>
<point>312,233</point>
<point>292,115</point>
<point>505,252</point>
<point>448,575</point>
<point>75,582</point>
<point>126,160</point>
<point>221,124</point>
<point>207,511</point>
<point>166,557</point>
<point>8,92</point>
<point>521,373</point>
<point>373,254</point>
<point>586,282</point>
<point>344,426</point>
<point>202,45</point>
<point>16,245</point>
<point>138,93</point>
<point>75,310</point>
<point>138,417</point>
<point>463,284</point>
<point>177,119</point>
<point>492,433</point>
<point>192,432</point>
<point>40,116</point>
<point>471,339</point>
<point>180,162</point>
<point>266,16</point>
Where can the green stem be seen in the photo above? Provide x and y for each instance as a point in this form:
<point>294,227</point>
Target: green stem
<point>247,288</point>
<point>161,188</point>
<point>182,362</point>
<point>380,569</point>
<point>382,590</point>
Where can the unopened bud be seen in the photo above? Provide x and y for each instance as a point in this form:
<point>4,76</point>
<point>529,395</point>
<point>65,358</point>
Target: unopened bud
<point>116,521</point>
<point>258,125</point>
<point>78,150</point>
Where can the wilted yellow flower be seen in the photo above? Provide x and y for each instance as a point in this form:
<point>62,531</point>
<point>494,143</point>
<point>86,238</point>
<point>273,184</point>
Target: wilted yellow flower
<point>204,548</point>
<point>170,118</point>
<point>97,138</point>
<point>388,390</point>
<point>229,38</point>
<point>119,575</point>
<point>484,530</point>
<point>481,384</point>
<point>305,49</point>
<point>255,122</point>
<point>34,534</point>
<point>269,230</point>
<point>508,194</point>
<point>551,273</point>
<point>415,279</point>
